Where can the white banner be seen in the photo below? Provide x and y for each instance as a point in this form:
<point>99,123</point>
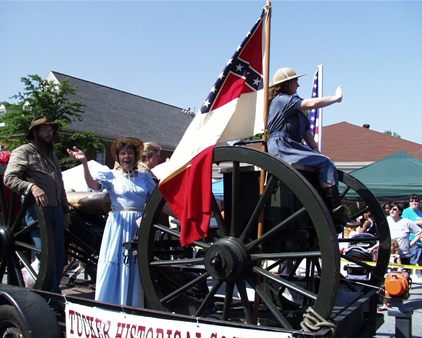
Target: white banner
<point>92,322</point>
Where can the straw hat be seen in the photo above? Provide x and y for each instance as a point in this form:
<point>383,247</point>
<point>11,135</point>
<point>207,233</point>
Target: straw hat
<point>284,74</point>
<point>39,121</point>
<point>137,143</point>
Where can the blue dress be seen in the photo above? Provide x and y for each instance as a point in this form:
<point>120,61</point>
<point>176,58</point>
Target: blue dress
<point>287,126</point>
<point>117,282</point>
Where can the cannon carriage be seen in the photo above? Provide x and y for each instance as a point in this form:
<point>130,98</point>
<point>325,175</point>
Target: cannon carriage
<point>286,273</point>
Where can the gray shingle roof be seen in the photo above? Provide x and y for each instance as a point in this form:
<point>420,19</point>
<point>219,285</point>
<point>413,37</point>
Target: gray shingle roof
<point>110,113</point>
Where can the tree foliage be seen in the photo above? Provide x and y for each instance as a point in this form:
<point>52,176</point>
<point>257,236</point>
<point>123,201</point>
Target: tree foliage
<point>392,133</point>
<point>53,100</point>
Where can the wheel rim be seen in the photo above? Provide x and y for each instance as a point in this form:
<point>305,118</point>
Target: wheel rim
<point>368,202</point>
<point>19,251</point>
<point>232,260</point>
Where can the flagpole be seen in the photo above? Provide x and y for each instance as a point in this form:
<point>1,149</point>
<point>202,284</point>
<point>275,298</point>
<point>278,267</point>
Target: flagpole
<point>266,72</point>
<point>267,67</point>
<point>266,104</point>
<point>320,94</point>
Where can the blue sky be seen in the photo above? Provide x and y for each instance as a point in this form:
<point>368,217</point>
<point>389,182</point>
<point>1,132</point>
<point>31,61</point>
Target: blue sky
<point>173,51</point>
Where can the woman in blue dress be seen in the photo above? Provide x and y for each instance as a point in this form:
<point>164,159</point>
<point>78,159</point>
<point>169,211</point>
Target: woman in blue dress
<point>291,140</point>
<point>118,280</point>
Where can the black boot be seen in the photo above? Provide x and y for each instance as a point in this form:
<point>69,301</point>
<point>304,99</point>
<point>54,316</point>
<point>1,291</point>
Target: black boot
<point>338,210</point>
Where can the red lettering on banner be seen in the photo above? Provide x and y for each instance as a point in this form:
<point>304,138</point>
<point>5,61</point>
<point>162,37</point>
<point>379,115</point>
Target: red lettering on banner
<point>160,333</point>
<point>169,333</point>
<point>98,323</point>
<point>120,328</point>
<point>198,335</point>
<point>213,335</point>
<point>106,329</point>
<point>88,326</point>
<point>132,331</point>
<point>150,333</point>
<point>142,330</point>
<point>177,334</point>
<point>72,318</point>
<point>79,324</point>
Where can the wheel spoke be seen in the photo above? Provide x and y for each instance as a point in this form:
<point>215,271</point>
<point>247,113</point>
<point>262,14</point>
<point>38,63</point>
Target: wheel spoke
<point>27,264</point>
<point>208,298</point>
<point>281,255</point>
<point>358,262</point>
<point>235,198</point>
<point>14,272</point>
<point>359,212</point>
<point>20,216</point>
<point>217,212</point>
<point>344,192</point>
<point>241,286</point>
<point>174,233</point>
<point>285,282</point>
<point>272,308</point>
<point>25,230</point>
<point>32,247</point>
<point>179,261</point>
<point>180,290</point>
<point>259,207</point>
<point>280,226</point>
<point>228,300</point>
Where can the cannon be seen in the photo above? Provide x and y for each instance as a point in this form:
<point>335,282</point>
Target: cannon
<point>291,271</point>
<point>286,274</point>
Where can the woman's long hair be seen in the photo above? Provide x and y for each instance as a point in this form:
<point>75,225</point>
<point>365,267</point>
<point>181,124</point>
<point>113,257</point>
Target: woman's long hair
<point>281,88</point>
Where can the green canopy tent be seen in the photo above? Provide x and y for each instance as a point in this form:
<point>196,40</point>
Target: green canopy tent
<point>394,177</point>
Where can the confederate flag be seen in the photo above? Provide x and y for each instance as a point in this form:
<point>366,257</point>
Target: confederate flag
<point>232,110</point>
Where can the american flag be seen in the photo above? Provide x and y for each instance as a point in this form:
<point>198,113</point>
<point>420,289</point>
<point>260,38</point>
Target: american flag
<point>314,115</point>
<point>232,110</point>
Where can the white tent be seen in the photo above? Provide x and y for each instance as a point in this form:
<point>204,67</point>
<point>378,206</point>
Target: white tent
<point>74,180</point>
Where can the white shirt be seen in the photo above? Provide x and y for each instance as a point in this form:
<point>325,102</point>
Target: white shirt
<point>400,231</point>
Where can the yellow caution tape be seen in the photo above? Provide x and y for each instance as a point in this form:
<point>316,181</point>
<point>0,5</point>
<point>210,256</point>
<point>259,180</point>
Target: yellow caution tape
<point>390,265</point>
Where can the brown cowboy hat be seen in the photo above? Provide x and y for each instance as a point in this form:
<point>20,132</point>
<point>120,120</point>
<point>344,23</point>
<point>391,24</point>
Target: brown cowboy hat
<point>39,121</point>
<point>137,143</point>
<point>284,74</point>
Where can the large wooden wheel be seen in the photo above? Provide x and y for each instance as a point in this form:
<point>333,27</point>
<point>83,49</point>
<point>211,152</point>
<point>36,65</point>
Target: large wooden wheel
<point>233,274</point>
<point>28,263</point>
<point>365,201</point>
<point>19,254</point>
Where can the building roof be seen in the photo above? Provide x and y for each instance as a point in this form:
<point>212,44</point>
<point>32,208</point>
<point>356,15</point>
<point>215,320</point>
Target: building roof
<point>345,142</point>
<point>110,113</point>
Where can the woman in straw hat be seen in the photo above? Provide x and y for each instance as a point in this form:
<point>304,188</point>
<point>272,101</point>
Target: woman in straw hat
<point>288,128</point>
<point>118,279</point>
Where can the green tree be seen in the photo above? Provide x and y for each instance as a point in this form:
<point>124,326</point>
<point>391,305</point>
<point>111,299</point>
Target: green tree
<point>53,100</point>
<point>392,133</point>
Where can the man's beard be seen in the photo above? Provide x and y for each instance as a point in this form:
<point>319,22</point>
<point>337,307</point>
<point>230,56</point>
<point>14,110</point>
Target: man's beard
<point>44,143</point>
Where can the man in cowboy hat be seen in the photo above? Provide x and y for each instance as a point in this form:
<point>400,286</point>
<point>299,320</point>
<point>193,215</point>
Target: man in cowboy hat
<point>34,169</point>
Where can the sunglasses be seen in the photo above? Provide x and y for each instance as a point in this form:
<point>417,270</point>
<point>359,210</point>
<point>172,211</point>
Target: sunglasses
<point>414,200</point>
<point>394,209</point>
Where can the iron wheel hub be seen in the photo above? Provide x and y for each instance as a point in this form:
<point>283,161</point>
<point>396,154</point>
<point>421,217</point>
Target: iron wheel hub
<point>227,259</point>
